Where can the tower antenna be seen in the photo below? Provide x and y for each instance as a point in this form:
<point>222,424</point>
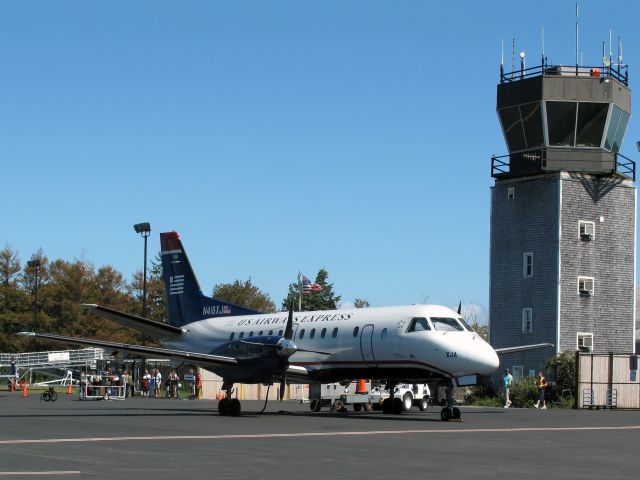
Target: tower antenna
<point>577,37</point>
<point>542,47</point>
<point>513,55</point>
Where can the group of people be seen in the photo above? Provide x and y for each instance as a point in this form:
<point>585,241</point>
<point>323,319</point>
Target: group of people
<point>151,384</point>
<point>541,385</point>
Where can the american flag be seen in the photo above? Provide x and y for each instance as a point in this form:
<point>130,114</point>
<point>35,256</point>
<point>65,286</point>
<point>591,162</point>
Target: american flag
<point>226,309</point>
<point>308,287</point>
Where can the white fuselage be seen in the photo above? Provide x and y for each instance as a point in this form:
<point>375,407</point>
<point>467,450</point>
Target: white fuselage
<point>368,338</point>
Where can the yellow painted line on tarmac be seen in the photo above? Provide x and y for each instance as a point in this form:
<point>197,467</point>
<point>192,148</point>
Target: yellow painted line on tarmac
<point>309,434</point>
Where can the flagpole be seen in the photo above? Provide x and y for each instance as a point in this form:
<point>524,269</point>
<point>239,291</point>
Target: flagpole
<point>299,291</point>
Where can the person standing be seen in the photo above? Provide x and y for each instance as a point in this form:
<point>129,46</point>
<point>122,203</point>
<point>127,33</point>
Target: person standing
<point>158,377</point>
<point>542,385</point>
<point>508,381</point>
<point>146,382</point>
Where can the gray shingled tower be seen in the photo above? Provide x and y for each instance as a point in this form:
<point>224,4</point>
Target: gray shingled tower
<point>563,215</point>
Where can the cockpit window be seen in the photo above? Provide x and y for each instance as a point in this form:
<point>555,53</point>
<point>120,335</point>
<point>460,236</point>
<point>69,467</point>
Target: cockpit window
<point>419,324</point>
<point>465,324</point>
<point>443,324</point>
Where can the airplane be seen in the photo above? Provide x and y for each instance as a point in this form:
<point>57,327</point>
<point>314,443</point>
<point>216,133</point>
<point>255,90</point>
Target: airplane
<point>404,344</point>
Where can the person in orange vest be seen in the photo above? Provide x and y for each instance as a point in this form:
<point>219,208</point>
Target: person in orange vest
<point>542,385</point>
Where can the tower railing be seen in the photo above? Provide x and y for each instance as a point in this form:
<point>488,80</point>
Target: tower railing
<point>501,165</point>
<point>617,72</point>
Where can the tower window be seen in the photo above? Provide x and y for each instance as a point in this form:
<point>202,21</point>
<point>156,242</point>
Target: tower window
<point>527,265</point>
<point>511,193</point>
<point>587,230</point>
<point>584,342</point>
<point>585,286</point>
<point>518,372</point>
<point>527,320</point>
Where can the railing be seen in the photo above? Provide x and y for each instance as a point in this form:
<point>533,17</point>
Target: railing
<point>53,358</point>
<point>501,165</point>
<point>617,72</point>
<point>626,167</point>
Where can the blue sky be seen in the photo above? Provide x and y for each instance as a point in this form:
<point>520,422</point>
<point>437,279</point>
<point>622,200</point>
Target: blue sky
<point>274,136</point>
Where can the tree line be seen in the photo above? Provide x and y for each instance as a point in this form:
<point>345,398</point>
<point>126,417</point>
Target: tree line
<point>62,286</point>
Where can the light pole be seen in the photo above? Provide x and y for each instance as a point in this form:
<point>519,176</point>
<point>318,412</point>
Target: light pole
<point>36,264</point>
<point>144,229</point>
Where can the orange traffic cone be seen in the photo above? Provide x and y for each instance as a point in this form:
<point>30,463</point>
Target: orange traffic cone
<point>361,387</point>
<point>69,389</point>
<point>24,390</point>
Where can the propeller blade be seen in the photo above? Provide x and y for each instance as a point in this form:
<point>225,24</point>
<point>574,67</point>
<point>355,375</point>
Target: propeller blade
<point>313,351</point>
<point>283,384</point>
<point>288,331</point>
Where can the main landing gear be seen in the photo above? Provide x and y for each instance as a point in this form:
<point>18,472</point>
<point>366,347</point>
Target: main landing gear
<point>228,406</point>
<point>391,405</point>
<point>450,412</point>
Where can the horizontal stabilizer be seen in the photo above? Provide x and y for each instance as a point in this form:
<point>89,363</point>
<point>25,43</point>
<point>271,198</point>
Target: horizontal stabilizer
<point>202,359</point>
<point>523,348</point>
<point>140,324</point>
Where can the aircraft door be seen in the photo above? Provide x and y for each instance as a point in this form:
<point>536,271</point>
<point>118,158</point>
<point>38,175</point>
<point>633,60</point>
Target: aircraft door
<point>366,345</point>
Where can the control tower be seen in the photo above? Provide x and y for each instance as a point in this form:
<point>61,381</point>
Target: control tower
<point>563,215</point>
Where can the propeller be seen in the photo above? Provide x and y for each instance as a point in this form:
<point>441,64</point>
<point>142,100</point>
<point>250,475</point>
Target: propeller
<point>284,346</point>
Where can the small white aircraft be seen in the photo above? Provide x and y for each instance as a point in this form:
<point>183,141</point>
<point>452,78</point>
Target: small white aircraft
<point>407,344</point>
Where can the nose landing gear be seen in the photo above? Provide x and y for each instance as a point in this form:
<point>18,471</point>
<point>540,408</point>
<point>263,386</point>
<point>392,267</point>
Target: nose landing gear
<point>450,412</point>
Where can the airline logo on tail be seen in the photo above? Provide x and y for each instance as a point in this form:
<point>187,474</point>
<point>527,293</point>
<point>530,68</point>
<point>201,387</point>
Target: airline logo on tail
<point>176,284</point>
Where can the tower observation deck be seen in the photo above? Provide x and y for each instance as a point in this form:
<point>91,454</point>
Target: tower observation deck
<point>564,118</point>
<point>563,215</point>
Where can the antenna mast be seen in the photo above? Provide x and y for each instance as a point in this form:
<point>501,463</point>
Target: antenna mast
<point>577,37</point>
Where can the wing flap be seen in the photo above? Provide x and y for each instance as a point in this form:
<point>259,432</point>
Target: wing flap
<point>199,358</point>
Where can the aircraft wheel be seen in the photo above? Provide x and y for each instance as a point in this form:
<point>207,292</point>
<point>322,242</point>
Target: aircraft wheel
<point>223,407</point>
<point>407,402</point>
<point>398,406</point>
<point>445,414</point>
<point>315,405</point>
<point>234,407</point>
<point>54,396</point>
<point>456,413</point>
<point>357,407</point>
<point>387,405</point>
<point>423,404</point>
<point>377,406</point>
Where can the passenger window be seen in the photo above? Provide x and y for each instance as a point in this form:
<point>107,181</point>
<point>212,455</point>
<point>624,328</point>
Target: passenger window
<point>355,331</point>
<point>241,335</point>
<point>334,334</point>
<point>323,333</point>
<point>383,335</point>
<point>419,324</point>
<point>312,333</point>
<point>301,336</point>
<point>270,332</point>
<point>443,324</point>
<point>233,334</point>
<point>251,334</point>
<point>260,333</point>
<point>280,333</point>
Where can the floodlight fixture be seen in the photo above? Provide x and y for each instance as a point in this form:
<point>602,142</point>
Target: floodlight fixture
<point>143,229</point>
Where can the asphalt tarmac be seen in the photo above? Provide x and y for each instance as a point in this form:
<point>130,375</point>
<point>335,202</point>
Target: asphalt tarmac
<point>158,439</point>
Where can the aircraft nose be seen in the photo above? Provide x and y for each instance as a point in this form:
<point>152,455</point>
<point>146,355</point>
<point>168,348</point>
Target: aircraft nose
<point>485,358</point>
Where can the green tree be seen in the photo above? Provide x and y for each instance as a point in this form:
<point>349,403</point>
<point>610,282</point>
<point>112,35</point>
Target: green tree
<point>563,369</point>
<point>325,299</point>
<point>361,303</point>
<point>245,294</point>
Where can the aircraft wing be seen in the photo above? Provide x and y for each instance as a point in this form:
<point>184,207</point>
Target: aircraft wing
<point>202,359</point>
<point>140,324</point>
<point>522,348</point>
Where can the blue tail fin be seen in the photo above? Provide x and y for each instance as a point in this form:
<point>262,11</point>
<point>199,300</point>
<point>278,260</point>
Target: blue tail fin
<point>185,301</point>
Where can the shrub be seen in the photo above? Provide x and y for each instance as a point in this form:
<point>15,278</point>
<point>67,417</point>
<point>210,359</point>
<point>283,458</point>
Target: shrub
<point>524,392</point>
<point>563,370</point>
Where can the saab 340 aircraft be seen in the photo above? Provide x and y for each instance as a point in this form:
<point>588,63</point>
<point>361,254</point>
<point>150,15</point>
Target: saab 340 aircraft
<point>406,344</point>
